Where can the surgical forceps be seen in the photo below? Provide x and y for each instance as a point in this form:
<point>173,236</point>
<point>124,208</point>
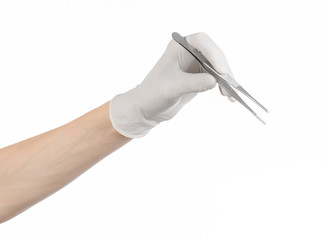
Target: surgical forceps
<point>224,80</point>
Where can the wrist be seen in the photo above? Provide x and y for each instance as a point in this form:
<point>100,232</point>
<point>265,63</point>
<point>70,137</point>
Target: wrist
<point>126,115</point>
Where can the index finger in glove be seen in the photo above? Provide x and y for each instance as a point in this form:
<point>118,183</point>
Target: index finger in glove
<point>203,43</point>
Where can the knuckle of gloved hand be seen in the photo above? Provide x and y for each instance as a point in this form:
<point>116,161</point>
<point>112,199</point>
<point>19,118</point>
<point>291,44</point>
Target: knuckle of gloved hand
<point>171,44</point>
<point>198,37</point>
<point>212,82</point>
<point>202,35</point>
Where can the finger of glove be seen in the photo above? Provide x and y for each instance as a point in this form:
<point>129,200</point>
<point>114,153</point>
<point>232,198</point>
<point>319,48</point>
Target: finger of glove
<point>203,43</point>
<point>214,54</point>
<point>195,83</point>
<point>225,93</point>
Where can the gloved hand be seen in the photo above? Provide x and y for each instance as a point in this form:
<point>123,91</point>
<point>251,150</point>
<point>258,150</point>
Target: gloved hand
<point>175,79</point>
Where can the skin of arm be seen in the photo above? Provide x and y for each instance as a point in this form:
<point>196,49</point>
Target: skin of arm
<point>35,168</point>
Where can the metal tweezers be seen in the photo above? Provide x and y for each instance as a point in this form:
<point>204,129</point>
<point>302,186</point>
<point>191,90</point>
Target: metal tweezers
<point>224,80</point>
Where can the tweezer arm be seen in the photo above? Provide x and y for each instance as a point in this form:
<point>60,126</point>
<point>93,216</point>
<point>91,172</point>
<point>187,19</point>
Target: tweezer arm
<point>193,51</point>
<point>224,84</point>
<point>220,80</point>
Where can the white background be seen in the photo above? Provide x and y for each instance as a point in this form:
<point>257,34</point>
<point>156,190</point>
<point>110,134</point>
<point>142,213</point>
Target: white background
<point>214,171</point>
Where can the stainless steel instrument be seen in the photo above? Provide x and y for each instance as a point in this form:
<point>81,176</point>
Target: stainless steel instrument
<point>224,80</point>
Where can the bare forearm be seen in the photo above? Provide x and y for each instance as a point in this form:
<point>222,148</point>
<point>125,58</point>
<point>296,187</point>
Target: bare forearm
<point>35,168</point>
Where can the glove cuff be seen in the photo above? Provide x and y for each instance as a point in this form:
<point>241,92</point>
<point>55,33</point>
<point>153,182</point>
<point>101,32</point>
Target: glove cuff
<point>126,116</point>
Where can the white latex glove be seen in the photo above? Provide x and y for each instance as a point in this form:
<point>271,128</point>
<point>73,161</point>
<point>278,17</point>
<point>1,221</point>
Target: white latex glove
<point>175,79</point>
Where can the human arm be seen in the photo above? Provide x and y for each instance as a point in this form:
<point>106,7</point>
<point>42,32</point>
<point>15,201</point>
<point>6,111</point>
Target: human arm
<point>35,168</point>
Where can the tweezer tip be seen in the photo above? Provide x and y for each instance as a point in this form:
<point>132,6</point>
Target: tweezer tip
<point>260,119</point>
